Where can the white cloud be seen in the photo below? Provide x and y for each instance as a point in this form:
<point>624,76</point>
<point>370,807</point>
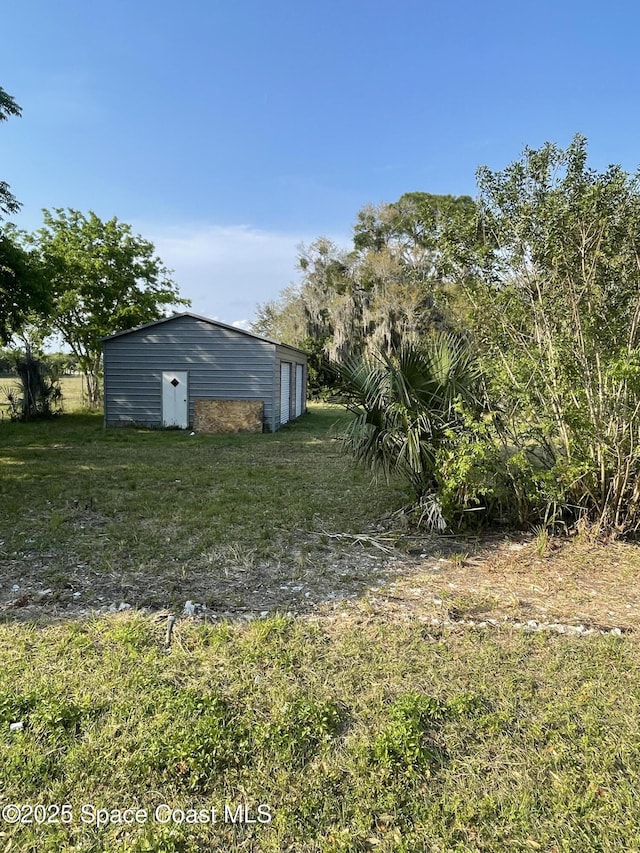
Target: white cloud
<point>226,270</point>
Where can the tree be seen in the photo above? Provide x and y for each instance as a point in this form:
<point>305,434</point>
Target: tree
<point>40,394</point>
<point>103,279</point>
<point>320,306</point>
<point>8,107</point>
<point>23,290</point>
<point>392,286</point>
<point>558,330</point>
<point>421,231</point>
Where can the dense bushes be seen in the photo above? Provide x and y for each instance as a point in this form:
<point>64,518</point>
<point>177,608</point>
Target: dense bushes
<point>409,410</point>
<point>558,329</point>
<point>553,305</point>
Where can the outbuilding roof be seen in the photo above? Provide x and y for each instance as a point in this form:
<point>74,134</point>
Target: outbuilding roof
<point>216,323</point>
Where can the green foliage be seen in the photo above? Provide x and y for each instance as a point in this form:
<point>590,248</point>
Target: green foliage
<point>64,363</point>
<point>430,234</point>
<point>296,728</point>
<point>405,744</point>
<point>8,202</point>
<point>473,487</point>
<point>103,279</point>
<point>58,363</point>
<point>409,410</point>
<point>322,380</point>
<point>23,289</point>
<point>202,737</point>
<point>39,394</point>
<point>14,708</point>
<point>7,360</point>
<point>392,286</point>
<point>558,325</point>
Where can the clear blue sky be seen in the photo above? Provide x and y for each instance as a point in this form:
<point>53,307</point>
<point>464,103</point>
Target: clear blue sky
<point>227,131</point>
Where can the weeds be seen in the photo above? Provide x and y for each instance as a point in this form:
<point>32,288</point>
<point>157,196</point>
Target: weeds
<point>541,534</point>
<point>476,742</point>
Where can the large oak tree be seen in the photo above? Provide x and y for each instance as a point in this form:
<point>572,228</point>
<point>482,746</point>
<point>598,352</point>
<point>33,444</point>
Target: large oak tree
<point>391,286</point>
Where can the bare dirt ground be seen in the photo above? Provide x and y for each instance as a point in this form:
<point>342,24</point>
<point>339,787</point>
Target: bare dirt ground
<point>437,580</point>
<point>567,582</point>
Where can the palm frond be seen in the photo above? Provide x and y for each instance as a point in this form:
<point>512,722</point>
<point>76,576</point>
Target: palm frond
<point>404,406</point>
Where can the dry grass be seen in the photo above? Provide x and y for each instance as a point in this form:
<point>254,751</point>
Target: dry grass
<point>223,416</point>
<point>72,393</point>
<point>574,582</point>
<point>72,397</point>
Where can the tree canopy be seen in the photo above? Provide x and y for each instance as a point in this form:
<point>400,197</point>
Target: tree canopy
<point>22,289</point>
<point>102,279</point>
<point>8,107</point>
<point>389,287</point>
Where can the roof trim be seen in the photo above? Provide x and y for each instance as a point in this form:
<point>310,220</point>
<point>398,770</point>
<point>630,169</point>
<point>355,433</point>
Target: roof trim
<point>204,320</point>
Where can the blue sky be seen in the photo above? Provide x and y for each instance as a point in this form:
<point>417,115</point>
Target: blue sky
<point>229,131</point>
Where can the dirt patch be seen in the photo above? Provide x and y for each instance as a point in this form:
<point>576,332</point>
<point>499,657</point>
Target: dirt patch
<point>433,579</point>
<point>565,582</point>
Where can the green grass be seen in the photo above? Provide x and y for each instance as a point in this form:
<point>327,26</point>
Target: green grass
<point>123,499</point>
<point>356,736</point>
<point>358,733</point>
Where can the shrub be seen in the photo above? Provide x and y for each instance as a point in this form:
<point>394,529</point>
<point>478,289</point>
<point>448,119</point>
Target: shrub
<point>558,329</point>
<point>409,408</point>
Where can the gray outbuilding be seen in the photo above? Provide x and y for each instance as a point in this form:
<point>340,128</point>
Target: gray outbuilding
<point>154,374</point>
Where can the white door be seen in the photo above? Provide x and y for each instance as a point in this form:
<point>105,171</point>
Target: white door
<point>175,406</point>
<point>299,390</point>
<point>285,391</point>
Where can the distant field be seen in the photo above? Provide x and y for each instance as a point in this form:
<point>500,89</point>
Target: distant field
<point>71,393</point>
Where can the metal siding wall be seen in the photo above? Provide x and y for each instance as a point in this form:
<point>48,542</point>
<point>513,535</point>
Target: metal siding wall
<point>222,365</point>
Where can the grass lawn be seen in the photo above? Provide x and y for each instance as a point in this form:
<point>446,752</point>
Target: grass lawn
<point>358,735</point>
<point>340,729</point>
<point>150,516</point>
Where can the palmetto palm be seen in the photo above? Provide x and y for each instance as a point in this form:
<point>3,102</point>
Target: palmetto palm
<point>406,405</point>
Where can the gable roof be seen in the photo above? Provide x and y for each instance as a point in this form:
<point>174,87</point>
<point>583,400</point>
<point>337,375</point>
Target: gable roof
<point>215,323</point>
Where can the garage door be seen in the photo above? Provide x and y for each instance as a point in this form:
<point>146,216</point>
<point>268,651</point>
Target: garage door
<point>299,389</point>
<point>285,391</point>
